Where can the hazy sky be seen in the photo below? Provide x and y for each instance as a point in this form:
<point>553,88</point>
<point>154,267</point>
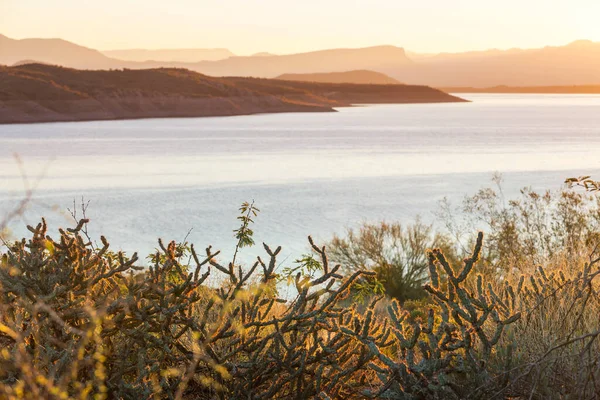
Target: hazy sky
<point>287,26</point>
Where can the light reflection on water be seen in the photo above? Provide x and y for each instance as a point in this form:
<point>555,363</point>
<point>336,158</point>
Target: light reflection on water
<point>309,173</point>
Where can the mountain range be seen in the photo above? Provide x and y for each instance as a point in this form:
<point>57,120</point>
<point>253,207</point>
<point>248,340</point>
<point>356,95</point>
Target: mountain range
<point>178,55</point>
<point>358,76</point>
<point>571,89</point>
<point>577,63</point>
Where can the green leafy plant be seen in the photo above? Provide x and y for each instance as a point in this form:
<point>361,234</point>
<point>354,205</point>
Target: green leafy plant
<point>306,267</point>
<point>396,253</point>
<point>244,234</point>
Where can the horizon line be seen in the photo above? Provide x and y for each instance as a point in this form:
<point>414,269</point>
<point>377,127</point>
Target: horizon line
<point>307,51</point>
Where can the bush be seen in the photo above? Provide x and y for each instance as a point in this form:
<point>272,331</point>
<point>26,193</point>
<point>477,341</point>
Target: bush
<point>397,254</point>
<point>533,229</point>
<point>81,322</point>
<point>78,322</point>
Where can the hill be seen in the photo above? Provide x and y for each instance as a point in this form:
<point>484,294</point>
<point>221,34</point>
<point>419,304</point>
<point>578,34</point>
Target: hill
<point>52,51</point>
<point>44,93</point>
<point>369,58</point>
<point>178,55</point>
<point>359,76</point>
<point>25,62</point>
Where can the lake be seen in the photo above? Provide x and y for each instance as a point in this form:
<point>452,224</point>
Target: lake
<point>312,173</point>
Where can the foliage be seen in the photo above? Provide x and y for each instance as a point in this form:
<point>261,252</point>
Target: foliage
<point>244,234</point>
<point>73,314</point>
<point>584,181</point>
<point>395,253</point>
<point>77,321</point>
<point>306,267</point>
<point>557,350</point>
<point>527,231</point>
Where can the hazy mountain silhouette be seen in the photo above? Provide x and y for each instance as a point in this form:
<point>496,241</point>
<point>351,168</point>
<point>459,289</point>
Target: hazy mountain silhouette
<point>42,93</point>
<point>574,89</point>
<point>61,52</point>
<point>358,76</point>
<point>577,63</point>
<point>445,56</point>
<point>371,58</point>
<point>51,51</point>
<point>179,55</point>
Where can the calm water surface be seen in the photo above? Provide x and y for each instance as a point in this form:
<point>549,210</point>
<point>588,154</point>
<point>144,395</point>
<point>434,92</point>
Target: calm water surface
<point>309,173</point>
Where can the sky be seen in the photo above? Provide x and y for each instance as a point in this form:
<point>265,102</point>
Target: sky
<point>290,26</point>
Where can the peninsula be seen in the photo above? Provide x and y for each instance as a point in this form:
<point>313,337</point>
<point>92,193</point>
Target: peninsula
<point>45,93</point>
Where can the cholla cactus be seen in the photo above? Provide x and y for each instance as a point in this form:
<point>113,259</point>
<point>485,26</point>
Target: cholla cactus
<point>77,322</point>
<point>445,356</point>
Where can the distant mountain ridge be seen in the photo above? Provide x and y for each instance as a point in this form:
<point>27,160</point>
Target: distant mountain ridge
<point>574,89</point>
<point>444,56</point>
<point>52,51</point>
<point>577,63</point>
<point>45,93</point>
<point>333,60</point>
<point>60,52</point>
<point>357,76</point>
<point>168,55</point>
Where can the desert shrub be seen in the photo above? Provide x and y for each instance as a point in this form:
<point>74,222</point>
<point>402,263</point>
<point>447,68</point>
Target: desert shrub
<point>532,229</point>
<point>556,352</point>
<point>397,254</point>
<point>534,336</point>
<point>78,321</point>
